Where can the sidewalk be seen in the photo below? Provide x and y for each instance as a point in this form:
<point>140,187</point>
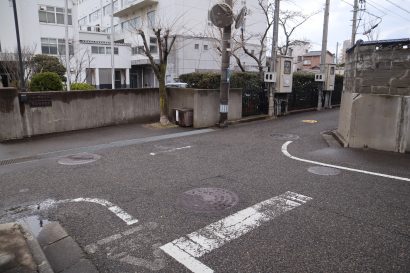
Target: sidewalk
<point>77,139</point>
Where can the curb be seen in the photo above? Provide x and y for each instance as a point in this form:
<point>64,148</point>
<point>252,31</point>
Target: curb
<point>331,139</point>
<point>249,119</point>
<point>39,257</point>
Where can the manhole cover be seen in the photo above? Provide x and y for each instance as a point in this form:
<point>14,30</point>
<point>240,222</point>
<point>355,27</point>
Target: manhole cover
<point>78,159</point>
<point>285,136</point>
<point>319,170</point>
<point>208,200</point>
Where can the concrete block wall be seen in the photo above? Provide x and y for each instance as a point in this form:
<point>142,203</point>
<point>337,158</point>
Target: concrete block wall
<point>205,104</point>
<point>375,104</point>
<point>11,126</point>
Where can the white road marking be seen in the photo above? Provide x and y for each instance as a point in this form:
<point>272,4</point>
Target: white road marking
<point>285,152</point>
<point>120,213</point>
<point>215,235</point>
<point>172,150</point>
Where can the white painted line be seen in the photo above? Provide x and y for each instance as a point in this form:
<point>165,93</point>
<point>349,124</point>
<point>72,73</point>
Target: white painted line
<point>285,152</point>
<point>120,213</point>
<point>184,258</point>
<point>215,235</point>
<point>171,150</point>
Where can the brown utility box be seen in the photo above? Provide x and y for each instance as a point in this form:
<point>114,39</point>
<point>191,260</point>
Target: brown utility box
<point>183,116</point>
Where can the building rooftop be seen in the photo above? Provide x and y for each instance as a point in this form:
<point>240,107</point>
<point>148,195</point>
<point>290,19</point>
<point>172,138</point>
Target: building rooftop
<point>391,42</point>
<point>315,53</point>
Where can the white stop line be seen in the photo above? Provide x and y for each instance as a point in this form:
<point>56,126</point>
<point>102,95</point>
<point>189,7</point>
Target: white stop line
<point>120,213</point>
<point>285,152</point>
<point>194,245</point>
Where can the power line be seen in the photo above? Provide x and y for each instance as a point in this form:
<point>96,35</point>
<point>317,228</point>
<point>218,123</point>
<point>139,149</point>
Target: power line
<point>393,12</point>
<point>394,4</point>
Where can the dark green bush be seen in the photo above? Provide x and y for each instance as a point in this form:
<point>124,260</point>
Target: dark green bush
<point>211,80</point>
<point>82,86</point>
<point>46,63</point>
<point>46,81</point>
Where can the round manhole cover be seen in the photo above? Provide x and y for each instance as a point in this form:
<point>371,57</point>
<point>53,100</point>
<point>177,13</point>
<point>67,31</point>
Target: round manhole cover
<point>319,170</point>
<point>285,136</point>
<point>78,159</point>
<point>208,200</point>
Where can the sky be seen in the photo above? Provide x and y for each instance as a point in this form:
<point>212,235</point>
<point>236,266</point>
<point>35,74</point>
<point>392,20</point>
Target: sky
<point>394,14</point>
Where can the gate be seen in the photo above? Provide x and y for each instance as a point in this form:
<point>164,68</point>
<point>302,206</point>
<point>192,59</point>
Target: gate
<point>254,99</point>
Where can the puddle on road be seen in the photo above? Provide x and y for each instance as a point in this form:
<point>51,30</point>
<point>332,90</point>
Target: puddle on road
<point>35,223</point>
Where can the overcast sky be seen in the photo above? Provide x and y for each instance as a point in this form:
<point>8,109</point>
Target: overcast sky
<point>394,14</point>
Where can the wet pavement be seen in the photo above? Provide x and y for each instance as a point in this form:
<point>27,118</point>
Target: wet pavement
<point>225,200</point>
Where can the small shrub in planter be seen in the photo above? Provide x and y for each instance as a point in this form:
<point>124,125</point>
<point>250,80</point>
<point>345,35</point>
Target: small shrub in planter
<point>46,81</point>
<point>82,86</point>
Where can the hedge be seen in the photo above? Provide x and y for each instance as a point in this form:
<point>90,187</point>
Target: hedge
<point>46,81</point>
<point>82,86</point>
<point>304,92</point>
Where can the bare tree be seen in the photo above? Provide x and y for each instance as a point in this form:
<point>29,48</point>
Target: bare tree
<point>80,60</point>
<point>9,63</point>
<point>266,8</point>
<point>289,22</point>
<point>165,42</point>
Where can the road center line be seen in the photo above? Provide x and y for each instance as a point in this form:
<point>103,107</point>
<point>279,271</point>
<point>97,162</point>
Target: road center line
<point>215,235</point>
<point>120,213</point>
<point>285,152</point>
<point>171,150</point>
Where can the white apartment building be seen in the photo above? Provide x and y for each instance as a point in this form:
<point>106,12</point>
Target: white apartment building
<point>195,50</point>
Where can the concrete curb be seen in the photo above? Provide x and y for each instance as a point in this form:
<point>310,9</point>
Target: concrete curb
<point>249,119</point>
<point>331,139</point>
<point>39,257</point>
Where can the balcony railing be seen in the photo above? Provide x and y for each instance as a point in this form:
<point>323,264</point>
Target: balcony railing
<point>132,6</point>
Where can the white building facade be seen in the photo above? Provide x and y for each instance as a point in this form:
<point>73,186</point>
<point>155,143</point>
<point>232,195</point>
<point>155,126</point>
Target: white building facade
<point>42,29</point>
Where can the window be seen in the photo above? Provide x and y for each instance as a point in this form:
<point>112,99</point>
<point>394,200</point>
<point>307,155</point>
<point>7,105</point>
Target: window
<point>53,15</point>
<point>108,50</point>
<point>206,47</point>
<point>151,18</point>
<point>83,21</point>
<point>253,52</point>
<point>307,62</point>
<point>95,15</point>
<point>103,50</point>
<point>55,46</point>
<point>135,23</point>
<point>153,48</point>
<point>299,58</point>
<point>137,50</point>
<point>332,70</point>
<point>196,46</point>
<point>49,46</point>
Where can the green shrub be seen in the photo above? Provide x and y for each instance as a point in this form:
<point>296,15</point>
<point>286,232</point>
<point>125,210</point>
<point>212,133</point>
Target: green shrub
<point>46,63</point>
<point>211,80</point>
<point>81,86</point>
<point>46,81</point>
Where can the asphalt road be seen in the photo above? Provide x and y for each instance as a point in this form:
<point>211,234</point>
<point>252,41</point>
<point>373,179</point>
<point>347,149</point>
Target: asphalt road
<point>352,222</point>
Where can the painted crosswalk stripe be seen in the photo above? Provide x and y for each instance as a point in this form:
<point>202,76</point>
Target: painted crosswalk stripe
<point>215,235</point>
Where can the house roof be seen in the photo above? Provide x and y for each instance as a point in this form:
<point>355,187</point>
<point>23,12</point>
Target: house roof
<point>315,53</point>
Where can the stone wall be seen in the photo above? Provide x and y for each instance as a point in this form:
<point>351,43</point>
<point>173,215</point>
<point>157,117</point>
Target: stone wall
<point>39,113</point>
<point>376,98</point>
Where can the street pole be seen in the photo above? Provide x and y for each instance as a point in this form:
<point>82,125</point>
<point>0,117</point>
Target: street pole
<point>112,46</point>
<point>337,53</point>
<point>323,55</point>
<point>354,25</point>
<point>67,49</point>
<point>224,85</point>
<point>273,58</point>
<point>16,23</point>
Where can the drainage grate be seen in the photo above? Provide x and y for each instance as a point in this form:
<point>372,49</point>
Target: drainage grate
<point>208,200</point>
<point>18,160</point>
<point>319,170</point>
<point>285,136</point>
<point>78,159</point>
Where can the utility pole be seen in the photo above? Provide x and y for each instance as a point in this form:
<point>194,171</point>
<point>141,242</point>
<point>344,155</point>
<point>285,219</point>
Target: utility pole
<point>16,23</point>
<point>67,49</point>
<point>112,46</point>
<point>273,57</point>
<point>354,25</point>
<point>337,53</point>
<point>324,53</point>
<point>224,85</point>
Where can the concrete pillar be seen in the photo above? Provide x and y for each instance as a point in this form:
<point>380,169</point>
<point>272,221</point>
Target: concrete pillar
<point>127,78</point>
<point>97,78</point>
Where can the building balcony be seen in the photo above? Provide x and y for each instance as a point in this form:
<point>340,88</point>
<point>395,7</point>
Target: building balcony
<point>133,6</point>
